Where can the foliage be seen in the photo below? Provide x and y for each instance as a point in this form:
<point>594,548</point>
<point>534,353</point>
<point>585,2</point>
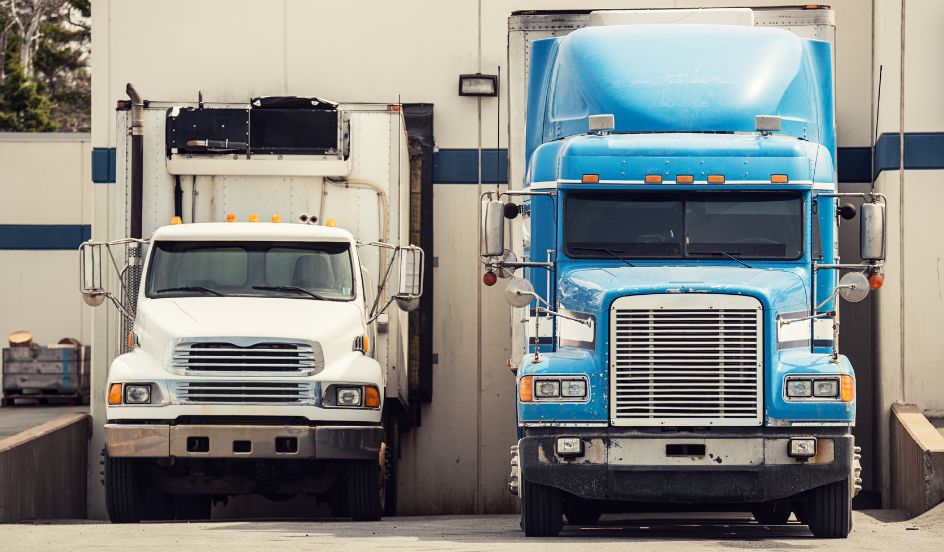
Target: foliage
<point>44,75</point>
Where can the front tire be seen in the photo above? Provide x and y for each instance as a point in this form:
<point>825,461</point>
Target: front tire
<point>829,510</point>
<point>541,510</point>
<point>391,461</point>
<point>365,490</point>
<point>582,512</point>
<point>124,496</point>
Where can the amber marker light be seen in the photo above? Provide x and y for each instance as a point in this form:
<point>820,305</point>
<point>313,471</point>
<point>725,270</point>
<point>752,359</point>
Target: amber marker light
<point>371,397</point>
<point>846,388</point>
<point>653,179</point>
<point>230,217</point>
<point>684,179</point>
<point>276,218</point>
<point>254,217</point>
<point>526,389</point>
<point>779,179</point>
<point>114,394</point>
<point>489,278</point>
<point>716,179</point>
<point>876,281</point>
<point>175,220</point>
<point>590,179</point>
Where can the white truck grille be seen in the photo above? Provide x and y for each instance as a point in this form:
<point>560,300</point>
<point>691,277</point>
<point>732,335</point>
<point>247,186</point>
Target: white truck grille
<point>239,392</point>
<point>686,359</point>
<point>246,356</point>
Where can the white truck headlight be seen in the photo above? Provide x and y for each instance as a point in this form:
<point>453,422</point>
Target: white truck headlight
<point>826,388</point>
<point>137,393</point>
<point>544,389</point>
<point>802,447</point>
<point>574,388</point>
<point>799,388</point>
<point>348,396</point>
<point>569,446</point>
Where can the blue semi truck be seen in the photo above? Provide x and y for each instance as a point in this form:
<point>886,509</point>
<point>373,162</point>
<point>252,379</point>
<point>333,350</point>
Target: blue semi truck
<point>674,273</point>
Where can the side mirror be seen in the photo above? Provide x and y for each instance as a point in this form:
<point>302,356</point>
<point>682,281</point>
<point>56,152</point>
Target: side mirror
<point>519,293</point>
<point>854,287</point>
<point>90,274</point>
<point>493,228</point>
<point>872,232</point>
<point>410,288</point>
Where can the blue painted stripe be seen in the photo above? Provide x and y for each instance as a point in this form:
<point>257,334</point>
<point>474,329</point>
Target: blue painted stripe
<point>460,166</point>
<point>854,164</point>
<point>43,237</point>
<point>103,165</point>
<point>923,151</point>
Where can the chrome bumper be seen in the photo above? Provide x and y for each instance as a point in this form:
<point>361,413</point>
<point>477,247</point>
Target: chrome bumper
<point>243,441</point>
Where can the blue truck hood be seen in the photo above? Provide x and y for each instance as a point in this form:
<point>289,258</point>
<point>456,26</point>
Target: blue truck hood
<point>592,290</point>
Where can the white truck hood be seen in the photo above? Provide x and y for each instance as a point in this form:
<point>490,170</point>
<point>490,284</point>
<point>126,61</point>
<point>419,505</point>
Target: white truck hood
<point>333,324</point>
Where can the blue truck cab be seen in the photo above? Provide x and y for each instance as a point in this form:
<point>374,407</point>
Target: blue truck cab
<point>679,222</point>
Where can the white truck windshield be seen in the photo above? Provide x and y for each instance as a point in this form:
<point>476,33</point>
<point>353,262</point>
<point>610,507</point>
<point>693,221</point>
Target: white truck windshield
<point>700,225</point>
<point>303,270</point>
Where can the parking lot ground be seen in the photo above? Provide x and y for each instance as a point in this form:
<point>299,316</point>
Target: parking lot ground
<point>873,530</point>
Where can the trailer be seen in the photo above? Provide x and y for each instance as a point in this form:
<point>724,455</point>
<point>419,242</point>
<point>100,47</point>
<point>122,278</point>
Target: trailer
<point>259,261</point>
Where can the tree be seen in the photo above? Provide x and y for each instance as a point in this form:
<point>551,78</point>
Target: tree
<point>44,77</point>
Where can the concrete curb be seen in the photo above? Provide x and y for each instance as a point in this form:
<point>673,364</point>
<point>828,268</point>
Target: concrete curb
<point>43,470</point>
<point>917,460</point>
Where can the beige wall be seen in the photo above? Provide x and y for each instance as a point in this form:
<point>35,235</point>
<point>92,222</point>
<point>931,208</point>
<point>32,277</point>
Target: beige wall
<point>46,180</point>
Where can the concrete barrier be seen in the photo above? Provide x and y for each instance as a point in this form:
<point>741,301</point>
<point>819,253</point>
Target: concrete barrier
<point>917,460</point>
<point>44,470</point>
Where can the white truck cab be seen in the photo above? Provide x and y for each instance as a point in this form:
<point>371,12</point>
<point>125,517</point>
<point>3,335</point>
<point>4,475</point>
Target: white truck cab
<point>255,357</point>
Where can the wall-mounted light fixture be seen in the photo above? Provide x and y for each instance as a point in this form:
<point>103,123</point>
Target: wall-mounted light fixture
<point>478,85</point>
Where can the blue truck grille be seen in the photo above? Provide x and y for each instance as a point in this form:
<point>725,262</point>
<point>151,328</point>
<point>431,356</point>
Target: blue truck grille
<point>683,360</point>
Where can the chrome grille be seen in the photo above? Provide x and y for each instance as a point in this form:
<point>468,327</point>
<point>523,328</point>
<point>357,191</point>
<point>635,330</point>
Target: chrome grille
<point>240,392</point>
<point>686,359</point>
<point>247,356</point>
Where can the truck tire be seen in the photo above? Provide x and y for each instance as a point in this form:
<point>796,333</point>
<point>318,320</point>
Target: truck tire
<point>124,497</point>
<point>365,493</point>
<point>391,467</point>
<point>771,513</point>
<point>541,510</point>
<point>192,507</point>
<point>829,510</point>
<point>582,512</point>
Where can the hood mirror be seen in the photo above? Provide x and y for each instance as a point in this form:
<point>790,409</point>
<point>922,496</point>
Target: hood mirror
<point>519,293</point>
<point>854,287</point>
<point>408,304</point>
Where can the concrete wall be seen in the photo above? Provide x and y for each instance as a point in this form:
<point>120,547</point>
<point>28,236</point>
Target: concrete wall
<point>47,208</point>
<point>43,471</point>
<point>917,458</point>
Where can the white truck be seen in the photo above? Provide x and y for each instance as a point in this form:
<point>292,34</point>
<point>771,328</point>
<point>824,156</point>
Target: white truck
<point>252,251</point>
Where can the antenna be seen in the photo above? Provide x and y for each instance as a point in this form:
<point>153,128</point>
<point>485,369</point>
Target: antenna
<point>498,132</point>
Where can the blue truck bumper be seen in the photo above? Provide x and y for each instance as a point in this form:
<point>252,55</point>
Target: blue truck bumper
<point>726,467</point>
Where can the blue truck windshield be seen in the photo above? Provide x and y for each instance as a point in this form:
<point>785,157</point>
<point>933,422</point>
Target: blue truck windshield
<point>701,225</point>
<point>303,270</point>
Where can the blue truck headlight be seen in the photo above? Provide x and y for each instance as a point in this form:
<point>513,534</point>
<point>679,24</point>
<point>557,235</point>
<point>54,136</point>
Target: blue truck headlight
<point>137,393</point>
<point>547,388</point>
<point>349,396</point>
<point>574,388</point>
<point>799,388</point>
<point>828,388</point>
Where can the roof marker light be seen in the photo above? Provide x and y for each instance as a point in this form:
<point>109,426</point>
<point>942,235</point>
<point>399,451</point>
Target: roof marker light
<point>175,220</point>
<point>590,179</point>
<point>653,179</point>
<point>276,218</point>
<point>230,217</point>
<point>253,217</point>
<point>779,179</point>
<point>716,179</point>
<point>330,223</point>
<point>684,179</point>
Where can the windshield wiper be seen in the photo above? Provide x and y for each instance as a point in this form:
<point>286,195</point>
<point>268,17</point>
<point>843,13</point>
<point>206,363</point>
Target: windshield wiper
<point>732,257</point>
<point>193,288</point>
<point>612,252</point>
<point>292,289</point>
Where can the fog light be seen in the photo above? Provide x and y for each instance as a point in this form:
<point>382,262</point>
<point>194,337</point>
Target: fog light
<point>137,394</point>
<point>826,388</point>
<point>569,446</point>
<point>802,448</point>
<point>349,396</point>
<point>547,388</point>
<point>799,388</point>
<point>574,388</point>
